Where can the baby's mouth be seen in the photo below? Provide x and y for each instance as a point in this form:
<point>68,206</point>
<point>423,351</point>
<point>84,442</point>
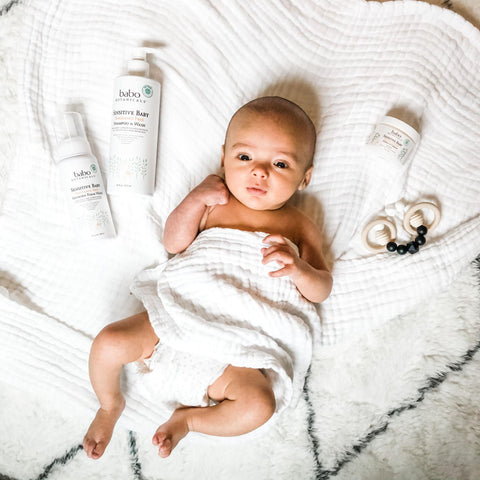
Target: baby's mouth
<point>256,191</point>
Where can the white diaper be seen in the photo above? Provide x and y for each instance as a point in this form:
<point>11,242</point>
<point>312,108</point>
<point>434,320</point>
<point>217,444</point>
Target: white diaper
<point>177,378</point>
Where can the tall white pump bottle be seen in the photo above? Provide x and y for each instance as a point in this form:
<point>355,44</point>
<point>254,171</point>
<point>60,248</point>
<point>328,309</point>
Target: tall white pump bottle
<point>134,135</point>
<point>82,180</point>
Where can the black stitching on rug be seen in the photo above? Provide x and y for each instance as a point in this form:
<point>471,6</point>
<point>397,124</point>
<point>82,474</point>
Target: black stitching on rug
<point>134,461</point>
<point>3,11</point>
<point>70,455</point>
<point>6,477</point>
<point>431,384</point>
<point>310,423</point>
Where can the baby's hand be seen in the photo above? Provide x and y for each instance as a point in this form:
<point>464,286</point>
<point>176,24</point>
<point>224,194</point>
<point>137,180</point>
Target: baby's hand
<point>283,253</point>
<point>212,191</point>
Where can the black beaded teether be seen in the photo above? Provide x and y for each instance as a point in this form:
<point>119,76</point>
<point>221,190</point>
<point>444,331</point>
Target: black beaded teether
<point>411,247</point>
<point>414,224</point>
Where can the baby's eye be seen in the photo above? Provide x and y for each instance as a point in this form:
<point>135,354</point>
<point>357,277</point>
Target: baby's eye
<point>281,164</point>
<point>244,157</point>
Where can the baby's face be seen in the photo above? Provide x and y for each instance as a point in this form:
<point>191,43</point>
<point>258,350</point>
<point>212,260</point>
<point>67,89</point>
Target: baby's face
<point>265,160</point>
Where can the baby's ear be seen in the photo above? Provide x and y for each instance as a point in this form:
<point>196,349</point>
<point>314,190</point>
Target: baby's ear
<point>306,179</point>
<point>223,154</point>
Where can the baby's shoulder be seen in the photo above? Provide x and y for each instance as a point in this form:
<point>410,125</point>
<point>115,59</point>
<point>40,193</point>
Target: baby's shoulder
<point>297,217</point>
<point>298,224</point>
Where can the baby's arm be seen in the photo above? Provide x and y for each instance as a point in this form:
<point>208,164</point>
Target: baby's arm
<point>308,271</point>
<point>183,223</point>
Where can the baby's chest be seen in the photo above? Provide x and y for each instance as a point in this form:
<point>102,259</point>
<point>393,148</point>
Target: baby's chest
<point>272,222</point>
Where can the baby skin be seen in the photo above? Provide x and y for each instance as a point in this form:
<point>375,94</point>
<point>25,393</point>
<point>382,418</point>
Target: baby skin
<point>244,395</point>
<point>266,158</point>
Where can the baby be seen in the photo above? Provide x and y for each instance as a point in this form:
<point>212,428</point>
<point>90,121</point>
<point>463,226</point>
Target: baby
<point>267,157</point>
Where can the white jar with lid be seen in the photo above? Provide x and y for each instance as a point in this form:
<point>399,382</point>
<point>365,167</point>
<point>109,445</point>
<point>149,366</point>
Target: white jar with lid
<point>392,140</point>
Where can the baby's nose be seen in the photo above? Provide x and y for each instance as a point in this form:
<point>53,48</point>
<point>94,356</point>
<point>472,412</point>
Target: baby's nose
<point>260,172</point>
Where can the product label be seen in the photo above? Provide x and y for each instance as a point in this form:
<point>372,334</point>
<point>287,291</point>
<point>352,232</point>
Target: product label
<point>86,197</point>
<point>392,141</point>
<point>133,143</point>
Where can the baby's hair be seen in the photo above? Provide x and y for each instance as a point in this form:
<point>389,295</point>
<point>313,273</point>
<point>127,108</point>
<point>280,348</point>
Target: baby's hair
<point>287,109</point>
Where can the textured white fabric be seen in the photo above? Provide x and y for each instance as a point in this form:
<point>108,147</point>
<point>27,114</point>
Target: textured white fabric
<point>346,62</point>
<point>38,352</point>
<point>217,300</point>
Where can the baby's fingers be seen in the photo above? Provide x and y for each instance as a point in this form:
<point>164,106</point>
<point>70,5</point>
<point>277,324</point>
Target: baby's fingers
<point>277,255</point>
<point>275,238</point>
<point>282,272</point>
<point>269,250</point>
<point>223,197</point>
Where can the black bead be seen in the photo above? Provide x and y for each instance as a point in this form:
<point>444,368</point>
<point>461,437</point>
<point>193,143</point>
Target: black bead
<point>422,230</point>
<point>421,240</point>
<point>391,246</point>
<point>402,249</point>
<point>412,247</point>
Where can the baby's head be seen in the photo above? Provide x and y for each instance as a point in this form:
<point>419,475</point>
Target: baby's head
<point>268,152</point>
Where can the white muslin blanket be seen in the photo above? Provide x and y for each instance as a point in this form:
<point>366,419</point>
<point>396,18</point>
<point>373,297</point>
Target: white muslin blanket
<point>347,62</point>
<point>217,300</point>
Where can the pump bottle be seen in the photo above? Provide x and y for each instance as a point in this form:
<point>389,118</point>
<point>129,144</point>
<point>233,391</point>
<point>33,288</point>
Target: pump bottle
<point>81,179</point>
<point>134,130</point>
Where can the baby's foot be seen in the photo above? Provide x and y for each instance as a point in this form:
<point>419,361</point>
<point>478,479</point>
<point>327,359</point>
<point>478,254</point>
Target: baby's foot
<point>170,433</point>
<point>100,432</point>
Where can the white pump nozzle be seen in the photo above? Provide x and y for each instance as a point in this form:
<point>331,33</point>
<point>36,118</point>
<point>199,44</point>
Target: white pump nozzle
<point>71,137</point>
<point>138,65</point>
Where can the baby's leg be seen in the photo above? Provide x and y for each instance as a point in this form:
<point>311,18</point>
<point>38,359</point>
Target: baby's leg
<point>117,344</point>
<point>246,402</point>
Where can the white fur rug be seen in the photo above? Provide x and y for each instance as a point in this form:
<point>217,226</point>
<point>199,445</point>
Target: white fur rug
<point>400,401</point>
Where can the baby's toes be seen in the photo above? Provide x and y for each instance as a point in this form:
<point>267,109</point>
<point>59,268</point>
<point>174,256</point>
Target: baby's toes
<point>99,449</point>
<point>88,446</point>
<point>164,443</point>
<point>159,438</point>
<point>92,448</point>
<point>165,448</point>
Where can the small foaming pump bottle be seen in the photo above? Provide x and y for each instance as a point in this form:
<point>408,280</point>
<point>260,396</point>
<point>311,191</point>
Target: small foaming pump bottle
<point>82,180</point>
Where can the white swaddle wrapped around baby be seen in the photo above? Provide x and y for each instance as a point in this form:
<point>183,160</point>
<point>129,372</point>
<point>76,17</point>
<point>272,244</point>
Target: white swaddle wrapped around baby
<point>216,300</point>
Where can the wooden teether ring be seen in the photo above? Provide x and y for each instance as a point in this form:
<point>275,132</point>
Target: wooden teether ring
<point>412,212</point>
<point>366,231</point>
